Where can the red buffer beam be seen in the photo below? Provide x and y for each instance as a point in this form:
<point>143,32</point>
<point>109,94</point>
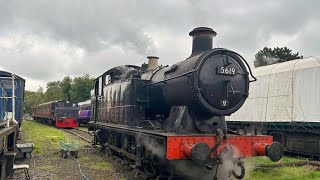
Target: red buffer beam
<point>183,147</point>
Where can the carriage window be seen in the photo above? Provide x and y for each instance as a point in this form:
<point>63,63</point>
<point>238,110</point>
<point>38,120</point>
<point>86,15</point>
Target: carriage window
<point>96,87</point>
<point>107,79</point>
<point>100,86</point>
<point>92,92</point>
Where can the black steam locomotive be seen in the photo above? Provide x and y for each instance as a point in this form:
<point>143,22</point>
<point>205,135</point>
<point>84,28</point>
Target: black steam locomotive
<point>167,120</point>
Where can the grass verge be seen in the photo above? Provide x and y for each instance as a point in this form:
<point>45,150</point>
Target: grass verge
<point>96,164</point>
<point>279,173</point>
<point>44,137</point>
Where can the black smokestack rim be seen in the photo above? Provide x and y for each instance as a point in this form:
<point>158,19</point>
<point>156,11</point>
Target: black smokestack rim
<point>202,39</point>
<point>203,30</point>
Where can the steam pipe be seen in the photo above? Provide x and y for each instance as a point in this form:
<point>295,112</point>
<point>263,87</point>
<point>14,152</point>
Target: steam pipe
<point>220,137</point>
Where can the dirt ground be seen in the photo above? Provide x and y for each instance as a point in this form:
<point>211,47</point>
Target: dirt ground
<point>94,165</point>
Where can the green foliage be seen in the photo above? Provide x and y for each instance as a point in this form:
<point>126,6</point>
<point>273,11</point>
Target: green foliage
<point>77,89</point>
<point>81,87</point>
<point>268,56</point>
<point>66,87</point>
<point>54,91</point>
<point>32,99</point>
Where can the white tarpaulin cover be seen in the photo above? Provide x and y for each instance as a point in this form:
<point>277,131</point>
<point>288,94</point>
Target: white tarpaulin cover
<point>283,92</point>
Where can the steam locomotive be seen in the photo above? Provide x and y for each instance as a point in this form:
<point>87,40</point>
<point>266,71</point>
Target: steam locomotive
<point>169,121</point>
<point>61,114</point>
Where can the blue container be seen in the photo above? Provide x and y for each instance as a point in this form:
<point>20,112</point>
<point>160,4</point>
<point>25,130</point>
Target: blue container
<point>6,94</point>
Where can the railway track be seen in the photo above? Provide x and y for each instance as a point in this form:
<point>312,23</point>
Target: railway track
<point>115,160</point>
<point>316,164</point>
<point>135,173</point>
<point>82,134</point>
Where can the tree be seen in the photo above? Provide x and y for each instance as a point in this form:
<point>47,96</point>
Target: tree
<point>40,89</point>
<point>66,87</point>
<point>268,56</point>
<point>77,89</point>
<point>32,99</point>
<point>54,91</point>
<point>81,87</point>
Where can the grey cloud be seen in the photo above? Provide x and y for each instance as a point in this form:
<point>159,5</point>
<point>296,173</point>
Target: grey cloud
<point>98,27</point>
<point>40,66</point>
<point>308,41</point>
<point>93,26</point>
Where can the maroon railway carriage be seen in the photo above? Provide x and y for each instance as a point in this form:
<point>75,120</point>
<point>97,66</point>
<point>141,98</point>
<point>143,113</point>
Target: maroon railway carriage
<point>62,114</point>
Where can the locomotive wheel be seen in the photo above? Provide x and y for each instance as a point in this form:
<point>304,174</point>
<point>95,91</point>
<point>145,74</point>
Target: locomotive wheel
<point>107,151</point>
<point>149,168</point>
<point>127,160</point>
<point>125,145</point>
<point>102,149</point>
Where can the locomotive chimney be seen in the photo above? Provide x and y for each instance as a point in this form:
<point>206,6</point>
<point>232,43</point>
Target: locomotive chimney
<point>202,39</point>
<point>152,63</point>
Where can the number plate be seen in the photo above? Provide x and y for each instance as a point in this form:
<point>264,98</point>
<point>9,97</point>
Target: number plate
<point>231,71</point>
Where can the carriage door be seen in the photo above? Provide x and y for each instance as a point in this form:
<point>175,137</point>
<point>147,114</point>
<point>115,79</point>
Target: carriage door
<point>95,100</point>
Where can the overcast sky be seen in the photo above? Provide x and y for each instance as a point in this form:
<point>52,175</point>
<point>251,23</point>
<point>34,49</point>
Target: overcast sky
<point>45,40</point>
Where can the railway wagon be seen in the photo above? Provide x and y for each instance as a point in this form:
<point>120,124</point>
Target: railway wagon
<point>11,115</point>
<point>285,103</point>
<point>84,112</point>
<point>60,113</point>
<point>169,121</point>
